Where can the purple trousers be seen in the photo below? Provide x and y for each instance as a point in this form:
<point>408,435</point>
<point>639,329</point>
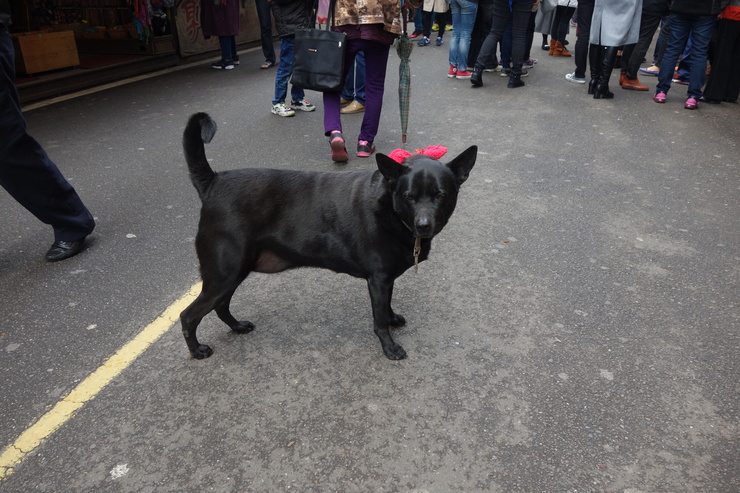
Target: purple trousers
<point>376,61</point>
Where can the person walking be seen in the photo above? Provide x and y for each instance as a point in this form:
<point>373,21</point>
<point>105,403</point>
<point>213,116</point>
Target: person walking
<point>27,172</point>
<point>372,31</point>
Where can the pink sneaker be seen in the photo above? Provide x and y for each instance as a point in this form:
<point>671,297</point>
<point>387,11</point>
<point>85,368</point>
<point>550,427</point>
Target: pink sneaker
<point>338,149</point>
<point>691,104</point>
<point>365,148</point>
<point>452,72</point>
<point>659,97</point>
<point>463,74</point>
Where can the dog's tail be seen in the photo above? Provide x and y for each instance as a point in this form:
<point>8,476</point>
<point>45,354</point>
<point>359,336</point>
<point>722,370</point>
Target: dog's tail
<point>199,131</point>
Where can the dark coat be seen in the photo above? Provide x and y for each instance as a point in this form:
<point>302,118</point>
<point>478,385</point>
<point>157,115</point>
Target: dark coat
<point>698,7</point>
<point>219,20</point>
<point>291,15</point>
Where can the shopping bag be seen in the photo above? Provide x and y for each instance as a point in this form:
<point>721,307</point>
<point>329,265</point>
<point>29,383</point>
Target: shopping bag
<point>318,64</point>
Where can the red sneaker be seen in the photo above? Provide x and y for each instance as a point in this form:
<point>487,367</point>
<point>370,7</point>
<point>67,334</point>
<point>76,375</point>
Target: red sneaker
<point>463,74</point>
<point>338,149</point>
<point>452,72</point>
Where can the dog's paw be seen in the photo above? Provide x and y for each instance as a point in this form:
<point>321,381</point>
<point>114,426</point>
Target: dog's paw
<point>243,327</point>
<point>394,352</point>
<point>202,352</point>
<point>397,320</point>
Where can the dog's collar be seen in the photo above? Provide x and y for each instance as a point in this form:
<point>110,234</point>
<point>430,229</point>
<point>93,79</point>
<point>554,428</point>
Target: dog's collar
<point>417,247</point>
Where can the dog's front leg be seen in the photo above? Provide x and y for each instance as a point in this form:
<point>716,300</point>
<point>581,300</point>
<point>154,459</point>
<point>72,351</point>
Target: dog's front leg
<point>381,288</point>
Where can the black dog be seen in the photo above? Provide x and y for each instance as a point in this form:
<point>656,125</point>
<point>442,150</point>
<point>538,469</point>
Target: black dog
<point>368,224</point>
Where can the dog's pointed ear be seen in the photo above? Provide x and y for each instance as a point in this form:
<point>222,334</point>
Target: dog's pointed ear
<point>463,163</point>
<point>389,168</point>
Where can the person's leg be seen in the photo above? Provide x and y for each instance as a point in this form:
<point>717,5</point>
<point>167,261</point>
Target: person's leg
<point>225,44</point>
<point>287,54</point>
<point>232,42</point>
<point>265,21</point>
<point>520,20</point>
<point>348,91</point>
<point>506,42</point>
<point>648,24</point>
<point>376,62</point>
<point>27,172</point>
<point>701,34</point>
<point>680,29</point>
<point>360,77</point>
<point>454,57</point>
<point>284,68</point>
<point>463,29</point>
<point>584,13</point>
<point>500,10</point>
<point>481,28</point>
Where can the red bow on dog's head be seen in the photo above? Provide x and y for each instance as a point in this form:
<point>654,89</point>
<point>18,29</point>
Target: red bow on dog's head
<point>434,152</point>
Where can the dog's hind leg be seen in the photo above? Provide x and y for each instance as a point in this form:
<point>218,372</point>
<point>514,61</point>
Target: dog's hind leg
<point>215,295</point>
<point>381,289</point>
<point>223,312</point>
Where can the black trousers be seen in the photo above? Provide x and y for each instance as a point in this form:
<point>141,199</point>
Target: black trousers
<point>632,55</point>
<point>585,13</point>
<point>265,20</point>
<point>26,172</point>
<point>519,13</point>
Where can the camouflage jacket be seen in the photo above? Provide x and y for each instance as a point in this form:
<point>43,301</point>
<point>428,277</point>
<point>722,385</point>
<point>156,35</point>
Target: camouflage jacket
<point>362,12</point>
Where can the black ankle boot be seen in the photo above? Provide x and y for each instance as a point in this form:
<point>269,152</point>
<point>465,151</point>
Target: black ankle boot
<point>476,77</point>
<point>601,90</point>
<point>592,84</point>
<point>515,78</point>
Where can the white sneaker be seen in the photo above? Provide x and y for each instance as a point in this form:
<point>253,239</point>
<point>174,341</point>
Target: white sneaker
<point>578,80</point>
<point>302,105</point>
<point>281,110</point>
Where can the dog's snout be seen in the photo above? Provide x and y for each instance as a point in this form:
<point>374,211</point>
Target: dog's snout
<point>423,226</point>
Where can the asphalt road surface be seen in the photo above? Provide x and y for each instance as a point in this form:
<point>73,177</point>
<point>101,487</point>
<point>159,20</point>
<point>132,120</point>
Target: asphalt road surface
<point>574,330</point>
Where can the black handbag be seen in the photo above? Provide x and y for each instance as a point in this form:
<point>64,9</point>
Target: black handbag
<point>318,64</point>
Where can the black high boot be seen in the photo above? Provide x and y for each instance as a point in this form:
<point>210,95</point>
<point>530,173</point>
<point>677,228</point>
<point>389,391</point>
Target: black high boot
<point>476,77</point>
<point>594,61</point>
<point>601,91</point>
<point>515,77</point>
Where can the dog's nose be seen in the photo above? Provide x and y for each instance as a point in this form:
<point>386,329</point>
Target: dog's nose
<point>423,226</point>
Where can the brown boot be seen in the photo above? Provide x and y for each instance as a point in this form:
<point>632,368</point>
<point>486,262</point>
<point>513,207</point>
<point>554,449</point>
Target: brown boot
<point>553,47</point>
<point>633,84</point>
<point>622,77</point>
<point>563,50</point>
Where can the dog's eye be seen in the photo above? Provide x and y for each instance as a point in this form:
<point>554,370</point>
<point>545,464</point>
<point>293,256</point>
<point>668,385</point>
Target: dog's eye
<point>441,196</point>
<point>408,196</point>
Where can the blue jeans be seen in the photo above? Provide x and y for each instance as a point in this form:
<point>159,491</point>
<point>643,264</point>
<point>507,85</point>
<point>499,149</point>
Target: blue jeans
<point>463,18</point>
<point>354,87</point>
<point>700,28</point>
<point>284,70</point>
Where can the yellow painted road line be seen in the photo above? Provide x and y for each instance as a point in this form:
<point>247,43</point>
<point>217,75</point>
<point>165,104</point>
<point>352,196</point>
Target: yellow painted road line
<point>91,386</point>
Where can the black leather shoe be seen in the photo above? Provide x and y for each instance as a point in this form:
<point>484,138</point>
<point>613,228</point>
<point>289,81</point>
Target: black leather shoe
<point>61,250</point>
<point>476,78</point>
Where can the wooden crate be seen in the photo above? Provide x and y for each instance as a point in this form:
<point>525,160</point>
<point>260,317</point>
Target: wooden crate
<point>40,51</point>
